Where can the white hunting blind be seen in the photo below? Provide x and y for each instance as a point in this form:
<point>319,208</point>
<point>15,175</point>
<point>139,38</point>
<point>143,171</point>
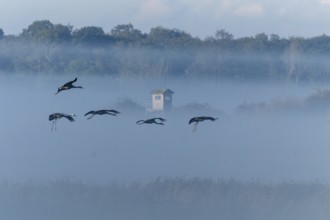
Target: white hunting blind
<point>161,99</point>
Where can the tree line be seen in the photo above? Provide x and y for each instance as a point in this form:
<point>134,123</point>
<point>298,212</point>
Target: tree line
<point>124,51</point>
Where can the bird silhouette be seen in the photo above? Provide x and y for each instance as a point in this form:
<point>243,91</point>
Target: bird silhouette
<point>198,119</point>
<point>158,121</point>
<point>56,116</point>
<point>102,112</point>
<point>68,85</point>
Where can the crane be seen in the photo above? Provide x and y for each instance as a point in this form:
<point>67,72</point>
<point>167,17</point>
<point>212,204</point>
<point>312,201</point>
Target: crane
<point>102,112</point>
<point>158,121</point>
<point>68,85</point>
<point>56,116</point>
<point>198,119</point>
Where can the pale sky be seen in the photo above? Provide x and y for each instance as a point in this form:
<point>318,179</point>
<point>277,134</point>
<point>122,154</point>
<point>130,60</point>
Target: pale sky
<point>200,18</point>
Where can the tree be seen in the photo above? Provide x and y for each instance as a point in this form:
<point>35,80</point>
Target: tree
<point>261,41</point>
<point>39,31</point>
<point>293,58</point>
<point>90,35</point>
<point>274,38</point>
<point>223,35</point>
<point>2,34</point>
<point>126,32</point>
<point>62,33</point>
<point>170,37</point>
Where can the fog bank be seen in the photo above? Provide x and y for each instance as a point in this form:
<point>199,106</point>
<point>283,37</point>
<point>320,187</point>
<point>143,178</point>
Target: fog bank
<point>270,147</point>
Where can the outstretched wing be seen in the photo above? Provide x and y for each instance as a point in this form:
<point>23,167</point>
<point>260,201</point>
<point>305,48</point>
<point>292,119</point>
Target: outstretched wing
<point>69,117</point>
<point>140,121</point>
<point>90,112</point>
<point>209,118</point>
<point>113,111</point>
<point>70,83</point>
<point>155,121</point>
<point>194,119</point>
<point>161,119</point>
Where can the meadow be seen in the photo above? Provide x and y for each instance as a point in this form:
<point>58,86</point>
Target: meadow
<point>165,198</point>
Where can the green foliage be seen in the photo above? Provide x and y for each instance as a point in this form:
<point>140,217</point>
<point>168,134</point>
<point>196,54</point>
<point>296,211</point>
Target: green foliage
<point>61,33</point>
<point>44,47</point>
<point>91,35</point>
<point>164,37</point>
<point>2,34</point>
<point>127,33</point>
<point>38,31</point>
<point>223,35</point>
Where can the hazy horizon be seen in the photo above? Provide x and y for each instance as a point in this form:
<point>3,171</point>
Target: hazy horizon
<point>305,18</point>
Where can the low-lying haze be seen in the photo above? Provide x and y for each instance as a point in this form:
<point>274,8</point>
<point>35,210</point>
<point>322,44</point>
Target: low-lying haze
<point>270,147</point>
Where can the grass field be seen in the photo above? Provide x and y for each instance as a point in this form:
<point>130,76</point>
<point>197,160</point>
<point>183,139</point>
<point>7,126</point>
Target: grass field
<point>165,198</point>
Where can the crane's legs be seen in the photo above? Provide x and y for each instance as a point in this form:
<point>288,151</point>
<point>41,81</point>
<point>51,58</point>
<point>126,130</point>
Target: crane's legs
<point>54,125</point>
<point>195,127</point>
<point>90,116</point>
